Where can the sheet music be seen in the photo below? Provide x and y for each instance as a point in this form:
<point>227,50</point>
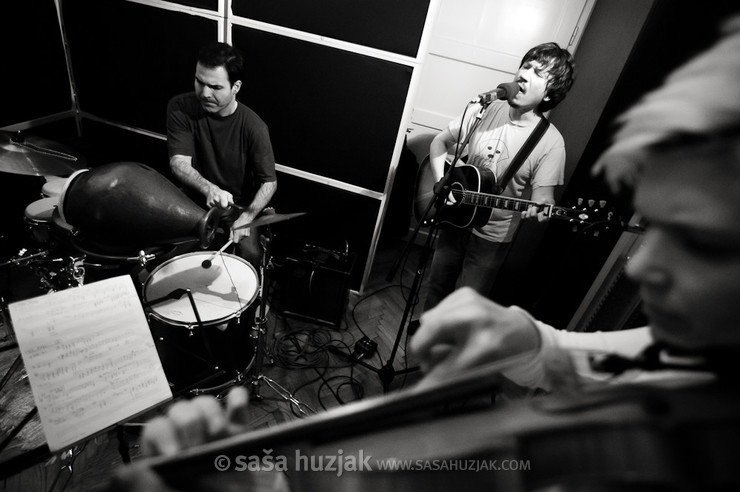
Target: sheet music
<point>90,358</point>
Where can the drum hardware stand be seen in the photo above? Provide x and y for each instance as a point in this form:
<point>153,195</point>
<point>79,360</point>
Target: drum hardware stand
<point>260,322</point>
<point>145,258</point>
<point>176,294</point>
<point>72,273</point>
<point>7,335</point>
<point>259,332</point>
<point>20,259</point>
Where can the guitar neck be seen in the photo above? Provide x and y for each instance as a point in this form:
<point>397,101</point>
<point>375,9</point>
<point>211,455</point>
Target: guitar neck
<point>485,200</point>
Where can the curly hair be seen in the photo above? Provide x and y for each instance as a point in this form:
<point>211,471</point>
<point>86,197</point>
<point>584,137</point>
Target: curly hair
<point>560,67</point>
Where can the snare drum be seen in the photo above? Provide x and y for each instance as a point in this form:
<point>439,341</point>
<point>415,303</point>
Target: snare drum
<point>203,338</point>
<point>38,216</point>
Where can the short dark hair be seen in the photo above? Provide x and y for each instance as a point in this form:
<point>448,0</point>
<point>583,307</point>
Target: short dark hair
<point>216,54</point>
<point>560,67</point>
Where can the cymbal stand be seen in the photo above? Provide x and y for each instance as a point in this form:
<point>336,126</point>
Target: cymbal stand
<point>260,320</point>
<point>259,331</point>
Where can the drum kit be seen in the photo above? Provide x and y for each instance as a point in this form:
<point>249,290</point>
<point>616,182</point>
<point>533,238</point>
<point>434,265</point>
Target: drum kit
<point>126,218</point>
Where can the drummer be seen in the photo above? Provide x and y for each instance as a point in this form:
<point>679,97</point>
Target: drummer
<point>219,148</point>
<point>681,155</point>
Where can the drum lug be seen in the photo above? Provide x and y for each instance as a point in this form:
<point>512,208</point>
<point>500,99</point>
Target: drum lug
<point>145,258</point>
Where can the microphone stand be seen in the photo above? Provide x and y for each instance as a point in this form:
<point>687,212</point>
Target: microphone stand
<point>387,372</point>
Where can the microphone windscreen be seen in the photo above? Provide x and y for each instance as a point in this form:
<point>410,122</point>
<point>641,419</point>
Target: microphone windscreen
<point>511,88</point>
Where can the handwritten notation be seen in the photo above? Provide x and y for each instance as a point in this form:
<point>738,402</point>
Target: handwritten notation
<point>90,358</point>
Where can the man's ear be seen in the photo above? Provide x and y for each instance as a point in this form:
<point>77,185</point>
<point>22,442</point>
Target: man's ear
<point>237,85</point>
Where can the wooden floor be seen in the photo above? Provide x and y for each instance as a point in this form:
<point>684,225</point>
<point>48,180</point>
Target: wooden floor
<point>298,366</point>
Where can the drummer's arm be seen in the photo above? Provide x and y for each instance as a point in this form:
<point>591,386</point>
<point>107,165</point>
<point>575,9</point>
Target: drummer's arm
<point>182,168</point>
<point>261,199</point>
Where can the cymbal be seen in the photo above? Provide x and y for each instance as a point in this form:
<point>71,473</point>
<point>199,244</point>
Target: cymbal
<point>35,156</point>
<point>270,219</point>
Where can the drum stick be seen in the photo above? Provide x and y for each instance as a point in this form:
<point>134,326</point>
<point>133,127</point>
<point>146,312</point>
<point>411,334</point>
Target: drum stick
<point>208,261</point>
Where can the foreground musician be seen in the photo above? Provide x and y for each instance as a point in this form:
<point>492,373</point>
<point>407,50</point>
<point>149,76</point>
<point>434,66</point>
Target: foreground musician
<point>682,155</point>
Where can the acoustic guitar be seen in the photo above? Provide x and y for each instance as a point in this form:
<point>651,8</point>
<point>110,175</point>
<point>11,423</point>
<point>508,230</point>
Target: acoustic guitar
<point>473,190</point>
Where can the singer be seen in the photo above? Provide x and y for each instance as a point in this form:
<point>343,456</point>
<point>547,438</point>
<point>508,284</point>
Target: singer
<point>512,113</point>
<point>219,149</point>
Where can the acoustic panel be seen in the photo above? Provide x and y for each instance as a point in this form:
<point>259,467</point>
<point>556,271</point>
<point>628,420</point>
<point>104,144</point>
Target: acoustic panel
<point>34,82</point>
<point>330,112</point>
<point>387,25</point>
<point>126,61</point>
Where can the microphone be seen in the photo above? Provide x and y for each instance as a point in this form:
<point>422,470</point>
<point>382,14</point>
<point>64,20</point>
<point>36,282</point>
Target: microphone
<point>505,91</point>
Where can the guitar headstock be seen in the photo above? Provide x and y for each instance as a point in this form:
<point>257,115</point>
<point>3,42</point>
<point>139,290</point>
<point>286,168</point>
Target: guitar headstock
<point>591,217</point>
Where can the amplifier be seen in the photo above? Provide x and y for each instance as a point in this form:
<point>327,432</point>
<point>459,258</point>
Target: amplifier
<point>311,283</point>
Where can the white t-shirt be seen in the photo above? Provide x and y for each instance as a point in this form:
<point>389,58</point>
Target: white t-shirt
<point>494,144</point>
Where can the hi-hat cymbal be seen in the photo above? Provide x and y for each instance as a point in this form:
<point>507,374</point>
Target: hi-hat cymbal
<point>270,219</point>
<point>35,156</point>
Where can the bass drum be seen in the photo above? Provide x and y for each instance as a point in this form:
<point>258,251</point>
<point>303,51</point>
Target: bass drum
<point>201,319</point>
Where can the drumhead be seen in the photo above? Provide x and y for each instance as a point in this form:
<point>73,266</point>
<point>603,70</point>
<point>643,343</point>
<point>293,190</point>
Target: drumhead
<point>220,292</point>
<point>53,186</point>
<point>41,210</point>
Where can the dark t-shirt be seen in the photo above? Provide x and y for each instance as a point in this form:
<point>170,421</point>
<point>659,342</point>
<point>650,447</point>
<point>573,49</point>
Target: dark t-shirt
<point>233,152</point>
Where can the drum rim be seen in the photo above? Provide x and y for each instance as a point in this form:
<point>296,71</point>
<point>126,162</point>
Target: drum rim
<point>63,194</point>
<point>194,324</point>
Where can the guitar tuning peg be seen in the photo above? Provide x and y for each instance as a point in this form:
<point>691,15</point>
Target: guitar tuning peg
<point>591,203</point>
<point>579,202</point>
<point>602,203</point>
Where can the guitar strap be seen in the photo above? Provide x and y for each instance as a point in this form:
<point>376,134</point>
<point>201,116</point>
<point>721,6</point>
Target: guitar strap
<point>520,156</point>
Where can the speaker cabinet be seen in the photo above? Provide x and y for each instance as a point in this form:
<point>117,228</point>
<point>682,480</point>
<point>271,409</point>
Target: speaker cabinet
<point>312,283</point>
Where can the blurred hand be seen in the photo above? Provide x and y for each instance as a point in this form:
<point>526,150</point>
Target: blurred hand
<point>466,330</point>
<point>188,423</point>
<point>193,422</point>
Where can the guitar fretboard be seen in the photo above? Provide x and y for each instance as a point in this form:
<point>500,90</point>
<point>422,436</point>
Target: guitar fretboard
<point>496,201</point>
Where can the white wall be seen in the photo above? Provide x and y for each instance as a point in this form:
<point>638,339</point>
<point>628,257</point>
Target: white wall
<point>478,44</point>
